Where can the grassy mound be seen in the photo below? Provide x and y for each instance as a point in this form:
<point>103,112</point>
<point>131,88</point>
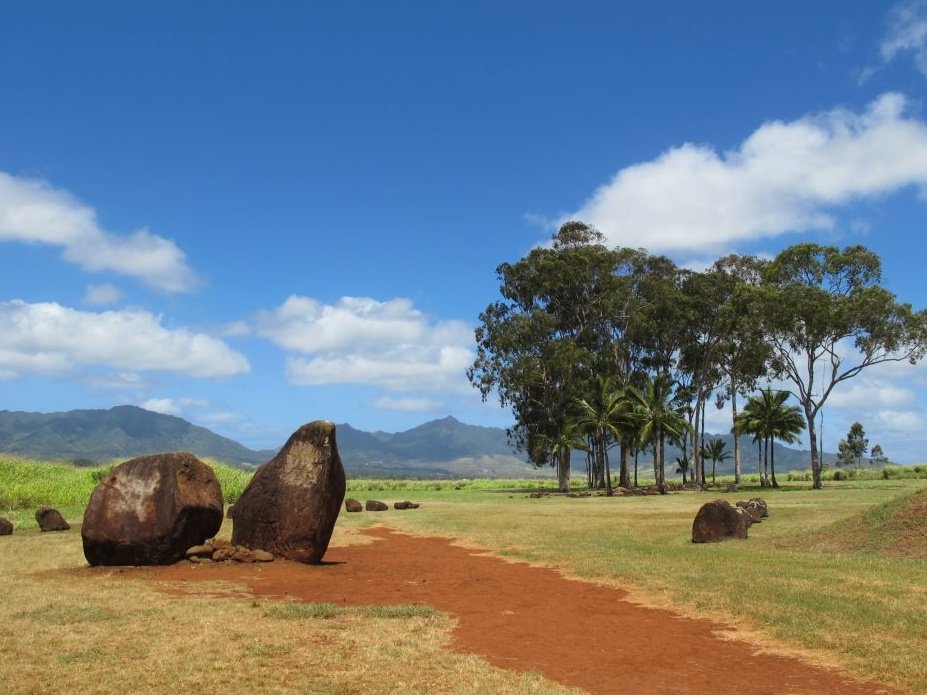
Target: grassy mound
<point>897,528</point>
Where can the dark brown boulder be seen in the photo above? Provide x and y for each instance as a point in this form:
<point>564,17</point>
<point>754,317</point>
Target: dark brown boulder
<point>50,520</point>
<point>352,505</point>
<point>150,510</point>
<point>761,503</point>
<point>291,504</point>
<point>405,504</point>
<point>718,520</point>
<point>376,506</point>
<point>6,527</point>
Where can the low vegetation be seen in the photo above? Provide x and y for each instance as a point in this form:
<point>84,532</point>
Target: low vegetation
<point>852,542</point>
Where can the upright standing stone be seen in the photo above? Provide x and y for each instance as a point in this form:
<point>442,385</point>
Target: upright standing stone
<point>149,510</point>
<point>50,520</point>
<point>291,504</point>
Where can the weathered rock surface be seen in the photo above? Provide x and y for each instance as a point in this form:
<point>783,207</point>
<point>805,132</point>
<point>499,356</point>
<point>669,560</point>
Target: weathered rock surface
<point>150,510</point>
<point>352,505</point>
<point>6,527</point>
<point>50,520</point>
<point>718,520</point>
<point>291,504</point>
<point>376,506</point>
<point>761,503</point>
<point>405,504</point>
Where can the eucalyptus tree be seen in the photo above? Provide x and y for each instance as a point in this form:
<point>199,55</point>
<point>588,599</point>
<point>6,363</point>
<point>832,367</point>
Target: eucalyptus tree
<point>825,311</point>
<point>743,356</point>
<point>543,342</point>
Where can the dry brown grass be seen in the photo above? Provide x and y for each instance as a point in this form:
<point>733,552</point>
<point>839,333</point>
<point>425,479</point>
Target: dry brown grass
<point>66,628</point>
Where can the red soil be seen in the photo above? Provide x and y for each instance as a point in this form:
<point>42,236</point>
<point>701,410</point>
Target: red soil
<point>531,618</point>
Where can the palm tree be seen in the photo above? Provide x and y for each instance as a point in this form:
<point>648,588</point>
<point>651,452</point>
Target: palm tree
<point>715,451</point>
<point>768,416</point>
<point>682,465</point>
<point>558,448</point>
<point>601,417</point>
<point>658,418</point>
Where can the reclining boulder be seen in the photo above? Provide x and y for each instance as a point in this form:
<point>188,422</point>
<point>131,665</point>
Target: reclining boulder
<point>291,504</point>
<point>718,520</point>
<point>149,510</point>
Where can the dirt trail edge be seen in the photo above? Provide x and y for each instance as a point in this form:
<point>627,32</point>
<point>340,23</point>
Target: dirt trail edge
<point>532,618</point>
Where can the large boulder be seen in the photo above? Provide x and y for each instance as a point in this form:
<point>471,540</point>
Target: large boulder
<point>149,510</point>
<point>718,520</point>
<point>50,520</point>
<point>291,504</point>
<point>376,506</point>
<point>6,527</point>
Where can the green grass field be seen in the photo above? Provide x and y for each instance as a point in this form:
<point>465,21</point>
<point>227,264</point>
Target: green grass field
<point>799,584</point>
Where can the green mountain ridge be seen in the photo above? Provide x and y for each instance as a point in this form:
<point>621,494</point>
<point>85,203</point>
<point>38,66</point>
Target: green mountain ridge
<point>444,448</point>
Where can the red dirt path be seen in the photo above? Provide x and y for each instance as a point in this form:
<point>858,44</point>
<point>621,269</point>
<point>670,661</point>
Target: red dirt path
<point>531,618</point>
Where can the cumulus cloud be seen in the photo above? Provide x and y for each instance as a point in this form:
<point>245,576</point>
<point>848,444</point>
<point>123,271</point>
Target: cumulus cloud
<point>785,177</point>
<point>47,338</point>
<point>863,394</point>
<point>364,341</point>
<point>33,211</point>
<point>907,34</point>
<point>102,294</point>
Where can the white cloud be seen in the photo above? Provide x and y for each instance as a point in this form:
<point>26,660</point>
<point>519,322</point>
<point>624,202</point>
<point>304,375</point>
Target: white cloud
<point>48,338</point>
<point>785,177</point>
<point>364,341</point>
<point>407,405</point>
<point>907,34</point>
<point>33,211</point>
<point>102,294</point>
<point>911,422</point>
<point>864,395</point>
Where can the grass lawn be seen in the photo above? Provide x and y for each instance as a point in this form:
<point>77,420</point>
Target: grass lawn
<point>862,609</point>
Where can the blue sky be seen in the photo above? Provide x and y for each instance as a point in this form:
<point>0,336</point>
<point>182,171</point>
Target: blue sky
<point>254,216</point>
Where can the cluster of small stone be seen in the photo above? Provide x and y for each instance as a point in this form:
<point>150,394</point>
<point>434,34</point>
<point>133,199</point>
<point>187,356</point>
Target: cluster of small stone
<point>47,518</point>
<point>720,519</point>
<point>220,550</point>
<point>353,505</point>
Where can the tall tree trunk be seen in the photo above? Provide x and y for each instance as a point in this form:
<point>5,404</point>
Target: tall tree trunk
<point>713,481</point>
<point>701,443</point>
<point>623,477</point>
<point>608,471</point>
<point>772,463</point>
<point>766,459</point>
<point>737,462</point>
<point>697,462</point>
<point>759,460</point>
<point>816,463</point>
<point>563,469</point>
<point>636,454</point>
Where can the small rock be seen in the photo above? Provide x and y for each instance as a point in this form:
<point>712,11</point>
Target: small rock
<point>259,555</point>
<point>406,504</point>
<point>217,543</point>
<point>6,527</point>
<point>376,506</point>
<point>223,554</point>
<point>352,505</point>
<point>50,519</point>
<point>242,554</point>
<point>204,550</point>
<point>761,503</point>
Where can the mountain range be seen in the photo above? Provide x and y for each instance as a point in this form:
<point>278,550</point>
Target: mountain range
<point>445,448</point>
